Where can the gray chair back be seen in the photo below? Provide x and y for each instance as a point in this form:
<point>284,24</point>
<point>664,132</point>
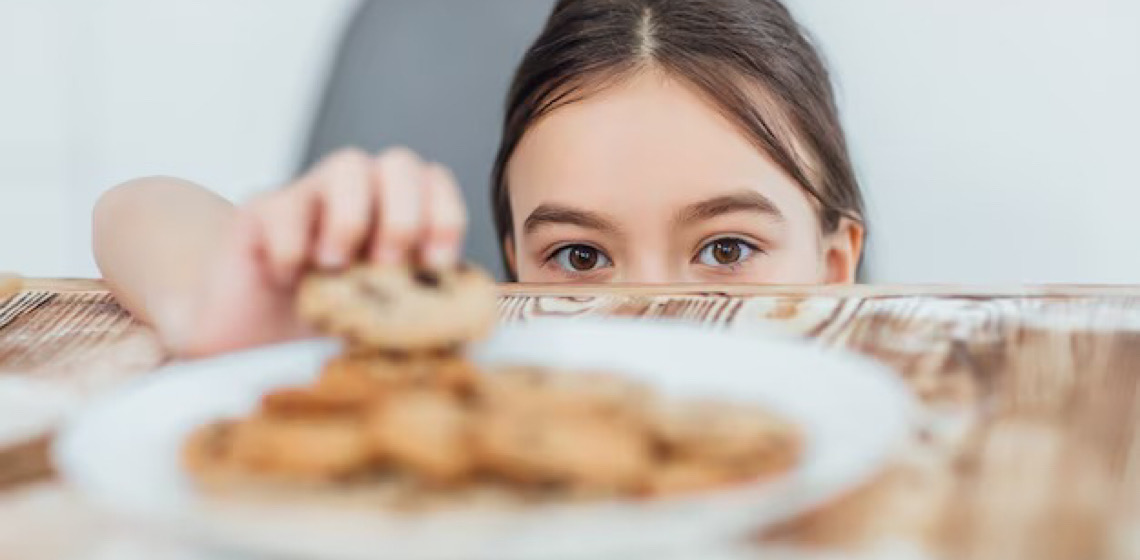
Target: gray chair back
<point>431,75</point>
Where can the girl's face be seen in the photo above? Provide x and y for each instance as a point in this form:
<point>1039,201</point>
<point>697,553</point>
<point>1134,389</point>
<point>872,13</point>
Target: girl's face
<point>645,182</point>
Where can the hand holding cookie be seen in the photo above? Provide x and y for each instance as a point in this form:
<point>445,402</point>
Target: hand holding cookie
<point>391,209</point>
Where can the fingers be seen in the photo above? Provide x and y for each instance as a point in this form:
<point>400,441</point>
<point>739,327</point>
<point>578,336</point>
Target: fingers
<point>400,182</point>
<point>285,223</point>
<point>347,202</point>
<point>390,209</point>
<point>445,218</point>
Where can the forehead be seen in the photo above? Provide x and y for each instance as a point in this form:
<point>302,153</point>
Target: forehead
<point>648,142</point>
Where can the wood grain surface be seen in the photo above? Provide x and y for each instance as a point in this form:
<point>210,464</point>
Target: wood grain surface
<point>1027,445</point>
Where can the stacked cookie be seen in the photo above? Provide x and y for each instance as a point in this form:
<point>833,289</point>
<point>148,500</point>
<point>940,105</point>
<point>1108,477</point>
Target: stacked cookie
<point>397,311</point>
<point>402,419</point>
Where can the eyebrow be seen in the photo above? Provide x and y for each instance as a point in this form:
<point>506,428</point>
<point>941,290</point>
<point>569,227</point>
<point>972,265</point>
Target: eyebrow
<point>550,214</point>
<point>742,201</point>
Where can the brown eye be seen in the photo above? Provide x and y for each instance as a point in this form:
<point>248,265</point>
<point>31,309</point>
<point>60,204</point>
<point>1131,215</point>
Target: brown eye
<point>581,258</point>
<point>725,252</point>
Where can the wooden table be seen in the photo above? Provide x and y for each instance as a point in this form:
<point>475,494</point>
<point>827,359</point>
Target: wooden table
<point>1028,446</point>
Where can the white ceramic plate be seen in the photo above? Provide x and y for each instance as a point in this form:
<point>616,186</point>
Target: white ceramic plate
<point>30,409</point>
<point>123,452</point>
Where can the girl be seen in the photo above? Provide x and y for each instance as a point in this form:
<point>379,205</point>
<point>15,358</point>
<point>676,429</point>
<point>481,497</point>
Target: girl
<point>645,141</point>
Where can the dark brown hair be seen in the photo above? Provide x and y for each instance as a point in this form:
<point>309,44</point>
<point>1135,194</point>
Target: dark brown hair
<point>749,58</point>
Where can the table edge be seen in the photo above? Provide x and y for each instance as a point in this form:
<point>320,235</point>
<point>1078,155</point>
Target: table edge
<point>856,290</point>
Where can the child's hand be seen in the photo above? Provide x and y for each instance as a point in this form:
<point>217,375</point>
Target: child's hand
<point>393,208</point>
<point>389,209</point>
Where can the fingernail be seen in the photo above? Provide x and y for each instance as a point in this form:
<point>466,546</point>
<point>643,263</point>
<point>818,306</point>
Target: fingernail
<point>439,256</point>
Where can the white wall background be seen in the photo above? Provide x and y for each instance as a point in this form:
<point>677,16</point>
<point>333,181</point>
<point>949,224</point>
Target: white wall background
<point>95,92</point>
<point>997,139</point>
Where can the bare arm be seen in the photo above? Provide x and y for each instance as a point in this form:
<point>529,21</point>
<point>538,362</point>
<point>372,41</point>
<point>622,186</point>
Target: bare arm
<point>154,238</point>
<point>212,278</point>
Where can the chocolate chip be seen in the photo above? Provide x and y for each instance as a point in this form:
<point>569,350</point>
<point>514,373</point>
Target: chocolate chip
<point>462,267</point>
<point>661,450</point>
<point>467,395</point>
<point>427,278</point>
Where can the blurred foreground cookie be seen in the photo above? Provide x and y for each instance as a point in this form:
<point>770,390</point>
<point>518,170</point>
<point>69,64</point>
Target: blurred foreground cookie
<point>400,308</point>
<point>419,432</point>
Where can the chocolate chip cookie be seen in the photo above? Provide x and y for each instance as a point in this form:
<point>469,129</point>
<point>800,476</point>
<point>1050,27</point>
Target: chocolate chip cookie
<point>399,308</point>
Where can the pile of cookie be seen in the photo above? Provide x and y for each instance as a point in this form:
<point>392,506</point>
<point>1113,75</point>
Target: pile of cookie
<point>402,419</point>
